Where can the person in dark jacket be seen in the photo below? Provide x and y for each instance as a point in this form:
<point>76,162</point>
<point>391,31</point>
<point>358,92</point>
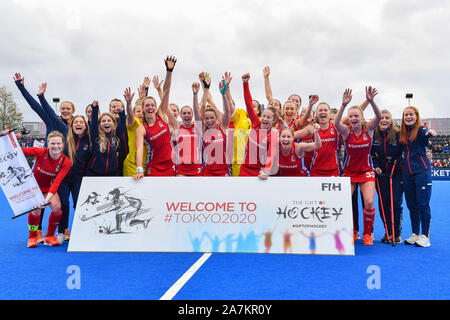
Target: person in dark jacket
<point>416,175</point>
<point>50,124</point>
<point>386,151</point>
<point>77,147</point>
<point>105,143</point>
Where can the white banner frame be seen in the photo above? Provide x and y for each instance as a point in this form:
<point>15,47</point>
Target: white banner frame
<point>299,215</point>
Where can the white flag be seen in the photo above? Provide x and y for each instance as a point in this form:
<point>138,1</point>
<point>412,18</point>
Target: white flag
<point>16,178</point>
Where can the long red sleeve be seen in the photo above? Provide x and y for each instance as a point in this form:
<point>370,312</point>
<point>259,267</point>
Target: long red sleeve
<point>32,151</point>
<point>249,104</point>
<point>67,164</point>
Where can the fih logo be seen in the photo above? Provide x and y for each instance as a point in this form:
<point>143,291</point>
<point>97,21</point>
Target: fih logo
<point>331,187</point>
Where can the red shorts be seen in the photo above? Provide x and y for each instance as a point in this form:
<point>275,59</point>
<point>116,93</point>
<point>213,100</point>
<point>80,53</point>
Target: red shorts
<point>324,173</point>
<point>360,177</point>
<point>189,170</point>
<point>216,173</point>
<point>161,169</point>
<point>247,171</point>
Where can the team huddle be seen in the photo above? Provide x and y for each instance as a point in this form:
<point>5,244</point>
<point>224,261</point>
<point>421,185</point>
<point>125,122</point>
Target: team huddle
<point>147,139</point>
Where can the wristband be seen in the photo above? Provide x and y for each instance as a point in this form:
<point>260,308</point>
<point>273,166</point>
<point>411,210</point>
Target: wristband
<point>205,84</point>
<point>225,87</point>
<point>139,170</point>
<point>170,59</point>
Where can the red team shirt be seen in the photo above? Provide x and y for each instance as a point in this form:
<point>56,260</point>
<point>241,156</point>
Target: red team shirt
<point>214,153</point>
<point>358,163</point>
<point>291,165</point>
<point>325,162</point>
<point>188,140</point>
<point>258,142</point>
<point>49,173</point>
<point>160,149</point>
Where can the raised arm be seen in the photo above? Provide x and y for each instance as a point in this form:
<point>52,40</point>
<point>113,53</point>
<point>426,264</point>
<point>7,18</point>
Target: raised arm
<point>267,87</point>
<point>195,89</point>
<point>303,120</point>
<point>128,96</point>
<point>20,80</point>
<point>207,97</point>
<point>226,108</point>
<point>249,102</point>
<point>157,86</point>
<point>49,112</point>
<point>94,122</point>
<point>342,128</point>
<point>370,95</point>
<point>164,106</point>
<point>227,77</point>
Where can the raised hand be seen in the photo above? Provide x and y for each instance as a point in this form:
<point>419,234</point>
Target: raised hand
<point>95,103</point>
<point>195,87</point>
<point>371,93</point>
<point>142,91</point>
<point>227,77</point>
<point>156,83</point>
<point>146,82</point>
<point>18,77</point>
<point>313,99</point>
<point>42,88</point>
<point>170,63</point>
<point>266,71</point>
<point>128,96</point>
<point>201,75</point>
<point>347,97</point>
<point>206,80</point>
<point>245,77</point>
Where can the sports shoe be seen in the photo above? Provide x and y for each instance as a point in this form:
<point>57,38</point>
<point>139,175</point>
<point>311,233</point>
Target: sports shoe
<point>60,238</point>
<point>385,239</point>
<point>423,241</point>
<point>367,239</point>
<point>66,235</point>
<point>40,236</point>
<point>412,239</point>
<point>51,241</point>
<point>398,239</point>
<point>32,242</point>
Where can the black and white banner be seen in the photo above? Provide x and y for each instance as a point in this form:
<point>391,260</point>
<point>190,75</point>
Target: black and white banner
<point>16,177</point>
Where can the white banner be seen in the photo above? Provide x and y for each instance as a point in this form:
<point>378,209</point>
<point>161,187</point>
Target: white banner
<point>214,214</point>
<point>16,177</point>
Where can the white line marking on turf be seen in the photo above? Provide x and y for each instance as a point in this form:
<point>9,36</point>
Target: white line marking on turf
<point>185,277</point>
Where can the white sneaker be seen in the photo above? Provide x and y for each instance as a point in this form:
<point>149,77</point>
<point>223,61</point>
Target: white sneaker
<point>423,241</point>
<point>413,239</point>
<point>60,238</point>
